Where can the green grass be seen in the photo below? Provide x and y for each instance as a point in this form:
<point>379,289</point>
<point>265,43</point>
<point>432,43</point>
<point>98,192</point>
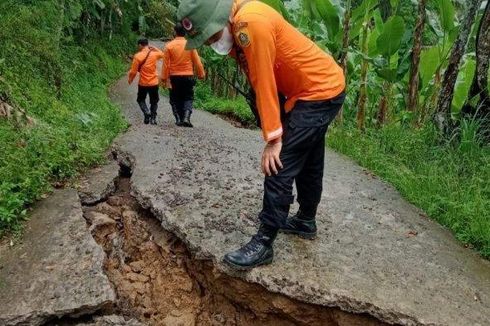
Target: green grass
<point>62,85</point>
<point>235,108</point>
<point>449,180</point>
<point>71,133</point>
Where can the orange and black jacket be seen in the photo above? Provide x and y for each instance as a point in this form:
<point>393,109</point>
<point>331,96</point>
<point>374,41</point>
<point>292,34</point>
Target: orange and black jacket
<point>148,68</point>
<point>279,59</point>
<point>180,62</point>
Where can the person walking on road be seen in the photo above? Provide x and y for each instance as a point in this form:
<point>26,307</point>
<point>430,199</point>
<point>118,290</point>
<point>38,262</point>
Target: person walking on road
<point>145,63</point>
<point>279,62</point>
<point>178,74</point>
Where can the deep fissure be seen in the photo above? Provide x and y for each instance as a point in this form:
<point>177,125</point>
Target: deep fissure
<point>157,280</point>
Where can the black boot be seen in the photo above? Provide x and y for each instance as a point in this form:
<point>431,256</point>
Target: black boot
<point>178,120</point>
<point>258,251</point>
<point>146,112</point>
<point>186,122</point>
<point>153,114</point>
<point>301,225</point>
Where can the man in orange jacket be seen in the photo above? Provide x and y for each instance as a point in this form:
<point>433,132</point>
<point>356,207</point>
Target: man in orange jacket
<point>145,63</point>
<point>276,58</point>
<point>178,72</point>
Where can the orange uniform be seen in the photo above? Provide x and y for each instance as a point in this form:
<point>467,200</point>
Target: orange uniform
<point>280,58</point>
<point>180,62</point>
<point>148,70</point>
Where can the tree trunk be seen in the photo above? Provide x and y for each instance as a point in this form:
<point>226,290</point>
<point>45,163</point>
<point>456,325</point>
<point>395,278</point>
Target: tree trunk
<point>57,71</point>
<point>345,50</point>
<point>385,9</point>
<point>361,104</point>
<point>345,38</point>
<point>443,110</point>
<point>479,86</point>
<point>480,81</point>
<point>111,30</point>
<point>384,104</point>
<point>413,84</point>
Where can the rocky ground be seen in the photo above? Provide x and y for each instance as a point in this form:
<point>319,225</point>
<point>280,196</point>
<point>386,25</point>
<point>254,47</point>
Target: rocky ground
<point>142,242</point>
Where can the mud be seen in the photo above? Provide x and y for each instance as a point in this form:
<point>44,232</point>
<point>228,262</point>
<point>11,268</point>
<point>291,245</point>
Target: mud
<point>158,282</point>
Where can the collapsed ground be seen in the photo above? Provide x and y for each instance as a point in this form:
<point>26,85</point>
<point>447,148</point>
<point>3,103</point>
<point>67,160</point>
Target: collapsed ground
<point>157,280</point>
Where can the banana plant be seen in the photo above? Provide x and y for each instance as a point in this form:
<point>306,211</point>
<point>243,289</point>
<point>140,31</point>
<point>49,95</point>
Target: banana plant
<point>363,14</point>
<point>381,46</point>
<point>433,59</point>
<point>329,13</point>
<point>390,68</point>
<point>279,6</point>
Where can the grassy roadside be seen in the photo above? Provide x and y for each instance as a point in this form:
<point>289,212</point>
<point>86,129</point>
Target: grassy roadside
<point>449,181</point>
<point>235,108</point>
<point>74,121</point>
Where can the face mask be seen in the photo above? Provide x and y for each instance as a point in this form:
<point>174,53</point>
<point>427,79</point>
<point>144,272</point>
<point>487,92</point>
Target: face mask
<point>224,45</point>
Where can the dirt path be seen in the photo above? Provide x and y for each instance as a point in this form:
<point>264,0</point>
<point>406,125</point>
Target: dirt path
<point>375,254</point>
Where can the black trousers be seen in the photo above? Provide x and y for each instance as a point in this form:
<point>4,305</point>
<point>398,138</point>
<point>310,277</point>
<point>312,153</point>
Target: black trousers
<point>302,156</point>
<point>182,93</point>
<point>143,92</point>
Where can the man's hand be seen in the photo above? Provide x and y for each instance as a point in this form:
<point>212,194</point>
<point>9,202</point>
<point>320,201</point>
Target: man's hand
<point>271,162</point>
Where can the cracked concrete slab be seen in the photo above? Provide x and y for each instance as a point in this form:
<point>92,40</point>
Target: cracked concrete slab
<point>99,184</point>
<point>57,269</point>
<point>375,253</point>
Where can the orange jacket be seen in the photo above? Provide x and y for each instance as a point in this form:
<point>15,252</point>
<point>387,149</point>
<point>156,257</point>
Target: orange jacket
<point>280,58</point>
<point>148,71</point>
<point>180,62</point>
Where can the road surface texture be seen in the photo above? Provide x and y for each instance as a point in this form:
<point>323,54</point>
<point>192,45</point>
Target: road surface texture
<point>57,270</point>
<point>375,253</point>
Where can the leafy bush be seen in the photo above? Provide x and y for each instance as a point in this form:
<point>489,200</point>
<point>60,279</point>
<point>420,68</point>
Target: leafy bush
<point>62,85</point>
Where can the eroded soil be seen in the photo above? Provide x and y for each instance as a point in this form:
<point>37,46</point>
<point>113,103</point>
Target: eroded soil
<point>158,282</point>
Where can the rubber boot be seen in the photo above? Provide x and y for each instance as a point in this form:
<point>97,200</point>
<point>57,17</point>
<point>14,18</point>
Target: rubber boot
<point>153,114</point>
<point>178,120</point>
<point>186,122</point>
<point>187,106</point>
<point>146,112</point>
<point>302,225</point>
<point>258,251</point>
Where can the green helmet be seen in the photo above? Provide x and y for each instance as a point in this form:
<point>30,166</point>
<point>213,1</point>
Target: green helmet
<point>202,19</point>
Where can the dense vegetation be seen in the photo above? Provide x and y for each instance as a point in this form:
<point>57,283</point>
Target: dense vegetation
<point>402,118</point>
<point>57,59</point>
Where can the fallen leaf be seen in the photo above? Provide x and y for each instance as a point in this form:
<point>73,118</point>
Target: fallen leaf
<point>412,234</point>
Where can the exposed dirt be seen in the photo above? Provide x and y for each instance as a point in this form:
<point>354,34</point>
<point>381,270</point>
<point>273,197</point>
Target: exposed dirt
<point>158,282</point>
